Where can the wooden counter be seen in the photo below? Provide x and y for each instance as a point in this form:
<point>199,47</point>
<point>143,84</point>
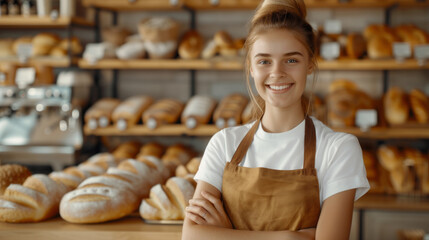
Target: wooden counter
<point>133,227</point>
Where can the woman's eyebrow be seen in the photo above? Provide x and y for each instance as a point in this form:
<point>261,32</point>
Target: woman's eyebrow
<point>284,55</point>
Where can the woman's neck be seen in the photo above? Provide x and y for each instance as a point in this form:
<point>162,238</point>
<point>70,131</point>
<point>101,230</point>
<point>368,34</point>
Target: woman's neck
<point>277,120</point>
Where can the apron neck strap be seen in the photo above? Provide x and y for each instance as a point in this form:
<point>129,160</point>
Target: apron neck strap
<point>309,144</point>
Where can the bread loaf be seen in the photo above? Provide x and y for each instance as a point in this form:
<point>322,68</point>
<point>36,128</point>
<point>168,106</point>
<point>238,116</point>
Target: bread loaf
<point>198,111</point>
<point>131,50</point>
<point>99,114</point>
<point>210,49</point>
<point>110,196</point>
<point>35,200</point>
<point>355,46</point>
<point>191,45</point>
<point>128,113</point>
<point>190,168</point>
<point>73,44</point>
<point>126,150</point>
<point>419,105</point>
<point>165,111</point>
<point>151,149</point>
<point>390,157</point>
<point>396,106</point>
<point>43,43</point>
<point>115,35</point>
<point>12,174</point>
<point>167,202</point>
<point>228,112</point>
<point>175,155</point>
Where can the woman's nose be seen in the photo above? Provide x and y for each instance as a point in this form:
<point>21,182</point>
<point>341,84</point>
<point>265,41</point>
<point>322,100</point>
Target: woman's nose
<point>277,71</point>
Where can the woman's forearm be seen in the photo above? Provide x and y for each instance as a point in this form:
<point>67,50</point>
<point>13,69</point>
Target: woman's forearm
<point>197,232</point>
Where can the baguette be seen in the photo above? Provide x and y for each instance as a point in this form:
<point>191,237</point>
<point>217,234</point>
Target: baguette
<point>165,111</point>
<point>229,110</point>
<point>167,202</point>
<point>128,112</point>
<point>99,114</point>
<point>12,174</point>
<point>198,111</point>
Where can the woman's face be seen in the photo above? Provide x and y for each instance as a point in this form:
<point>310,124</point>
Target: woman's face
<point>279,66</point>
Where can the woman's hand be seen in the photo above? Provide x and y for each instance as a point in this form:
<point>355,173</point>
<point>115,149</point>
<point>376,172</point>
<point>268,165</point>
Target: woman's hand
<point>208,210</point>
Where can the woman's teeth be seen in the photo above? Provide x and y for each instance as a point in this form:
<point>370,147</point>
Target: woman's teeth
<point>279,87</point>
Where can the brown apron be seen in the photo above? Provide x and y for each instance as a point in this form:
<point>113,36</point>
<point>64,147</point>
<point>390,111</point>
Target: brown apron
<point>262,199</point>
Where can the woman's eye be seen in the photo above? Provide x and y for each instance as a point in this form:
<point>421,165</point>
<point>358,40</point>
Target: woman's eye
<point>292,60</point>
<point>262,62</point>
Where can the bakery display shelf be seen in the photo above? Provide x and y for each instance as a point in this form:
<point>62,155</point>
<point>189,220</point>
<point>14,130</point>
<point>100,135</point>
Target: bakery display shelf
<point>165,130</point>
<point>392,202</point>
<point>126,5</point>
<point>371,64</point>
<point>172,64</point>
<point>130,228</point>
<point>42,22</point>
<point>46,61</point>
<point>388,132</point>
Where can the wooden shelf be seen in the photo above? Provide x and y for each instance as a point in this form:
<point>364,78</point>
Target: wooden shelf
<point>41,22</point>
<point>47,61</point>
<point>166,130</point>
<point>126,5</point>
<point>392,202</point>
<point>237,64</point>
<point>167,64</point>
<point>208,130</point>
<point>138,5</point>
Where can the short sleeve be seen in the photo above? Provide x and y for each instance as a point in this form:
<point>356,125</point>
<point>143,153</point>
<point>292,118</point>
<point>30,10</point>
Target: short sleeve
<point>213,161</point>
<point>345,169</point>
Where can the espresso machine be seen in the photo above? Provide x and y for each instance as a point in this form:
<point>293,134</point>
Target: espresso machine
<point>39,125</point>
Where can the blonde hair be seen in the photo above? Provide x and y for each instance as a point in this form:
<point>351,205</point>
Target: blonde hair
<point>280,14</point>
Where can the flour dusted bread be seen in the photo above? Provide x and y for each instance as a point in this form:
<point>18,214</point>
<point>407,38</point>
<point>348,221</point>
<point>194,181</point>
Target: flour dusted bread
<point>99,114</point>
<point>35,200</point>
<point>12,174</point>
<point>419,105</point>
<point>198,111</point>
<point>110,196</point>
<point>164,111</point>
<point>167,202</point>
<point>229,110</point>
<point>128,113</point>
<point>396,106</point>
<point>190,168</point>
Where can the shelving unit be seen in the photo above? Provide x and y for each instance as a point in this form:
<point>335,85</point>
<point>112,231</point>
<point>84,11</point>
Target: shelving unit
<point>47,61</point>
<point>42,22</point>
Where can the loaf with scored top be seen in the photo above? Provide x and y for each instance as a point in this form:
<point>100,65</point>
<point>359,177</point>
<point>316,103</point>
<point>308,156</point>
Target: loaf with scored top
<point>164,111</point>
<point>12,174</point>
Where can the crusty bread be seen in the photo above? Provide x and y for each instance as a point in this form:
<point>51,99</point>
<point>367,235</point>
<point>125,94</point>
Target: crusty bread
<point>167,202</point>
<point>99,114</point>
<point>12,174</point>
<point>198,110</point>
<point>419,105</point>
<point>390,157</point>
<point>128,113</point>
<point>355,46</point>
<point>151,149</point>
<point>229,110</point>
<point>110,196</point>
<point>380,47</point>
<point>191,45</point>
<point>164,111</point>
<point>190,168</point>
<point>35,200</point>
<point>175,155</point>
<point>126,150</point>
<point>396,106</point>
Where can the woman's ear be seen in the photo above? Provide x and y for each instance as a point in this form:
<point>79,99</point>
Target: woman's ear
<point>310,69</point>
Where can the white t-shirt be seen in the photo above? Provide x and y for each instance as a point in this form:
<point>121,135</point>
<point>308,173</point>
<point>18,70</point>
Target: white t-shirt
<point>338,162</point>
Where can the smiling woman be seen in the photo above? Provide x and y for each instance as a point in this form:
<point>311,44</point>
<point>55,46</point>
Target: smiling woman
<point>267,179</point>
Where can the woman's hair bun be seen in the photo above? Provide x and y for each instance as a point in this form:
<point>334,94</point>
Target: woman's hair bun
<point>296,7</point>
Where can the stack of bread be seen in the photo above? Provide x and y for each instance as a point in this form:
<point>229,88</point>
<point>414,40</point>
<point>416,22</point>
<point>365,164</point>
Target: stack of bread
<point>224,45</point>
<point>160,36</point>
<point>228,112</point>
<point>343,101</point>
<point>372,171</point>
<point>38,198</point>
<point>407,169</point>
<point>400,107</point>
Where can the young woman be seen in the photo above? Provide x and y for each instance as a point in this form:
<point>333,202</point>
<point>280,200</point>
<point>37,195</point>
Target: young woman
<point>286,175</point>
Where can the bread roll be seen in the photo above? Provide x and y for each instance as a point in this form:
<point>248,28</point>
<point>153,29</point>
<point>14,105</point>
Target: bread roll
<point>167,202</point>
<point>412,35</point>
<point>419,105</point>
<point>58,51</point>
<point>165,111</point>
<point>229,110</point>
<point>73,44</point>
<point>198,111</point>
<point>115,35</point>
<point>342,84</point>
<point>191,45</point>
<point>12,174</point>
<point>341,108</point>
<point>380,47</point>
<point>110,196</point>
<point>126,150</point>
<point>355,46</point>
<point>396,106</point>
<point>99,114</point>
<point>210,49</point>
<point>43,43</point>
<point>390,157</point>
<point>151,149</point>
<point>128,113</point>
<point>223,39</point>
<point>6,48</point>
<point>37,199</point>
<point>419,162</point>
